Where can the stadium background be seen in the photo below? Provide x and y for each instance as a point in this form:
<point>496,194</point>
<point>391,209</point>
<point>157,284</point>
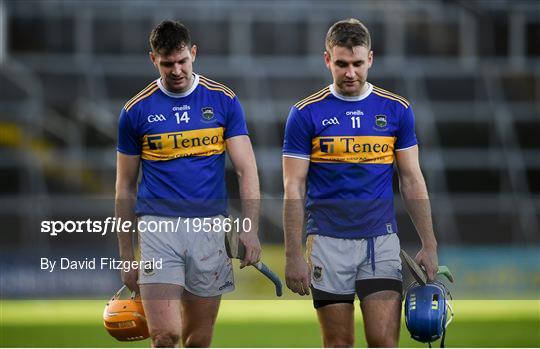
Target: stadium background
<point>470,68</point>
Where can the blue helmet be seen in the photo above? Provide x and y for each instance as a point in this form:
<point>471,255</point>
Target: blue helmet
<point>427,311</point>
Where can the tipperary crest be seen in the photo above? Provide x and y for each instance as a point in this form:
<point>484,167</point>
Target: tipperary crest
<point>207,114</point>
<point>317,273</point>
<point>380,120</point>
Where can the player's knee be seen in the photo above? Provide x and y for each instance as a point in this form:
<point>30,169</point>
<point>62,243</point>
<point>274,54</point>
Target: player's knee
<point>339,342</point>
<point>382,342</point>
<point>197,340</point>
<point>164,339</point>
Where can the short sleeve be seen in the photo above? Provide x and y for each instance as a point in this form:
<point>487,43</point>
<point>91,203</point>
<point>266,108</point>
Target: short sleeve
<point>298,136</point>
<point>128,139</point>
<point>236,120</point>
<point>406,136</point>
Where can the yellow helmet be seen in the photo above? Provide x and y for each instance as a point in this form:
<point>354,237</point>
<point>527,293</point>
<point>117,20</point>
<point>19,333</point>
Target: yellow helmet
<point>124,319</point>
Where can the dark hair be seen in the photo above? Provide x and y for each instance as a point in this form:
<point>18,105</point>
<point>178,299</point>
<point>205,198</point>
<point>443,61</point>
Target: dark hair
<point>169,36</point>
<point>348,33</point>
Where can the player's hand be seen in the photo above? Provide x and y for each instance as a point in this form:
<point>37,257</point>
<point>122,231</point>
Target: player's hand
<point>129,278</point>
<point>253,248</point>
<point>427,258</point>
<point>297,275</point>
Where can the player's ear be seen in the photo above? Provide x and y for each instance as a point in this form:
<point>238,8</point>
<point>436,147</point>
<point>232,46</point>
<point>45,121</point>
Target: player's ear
<point>327,59</point>
<point>152,56</point>
<point>370,59</point>
<point>193,52</point>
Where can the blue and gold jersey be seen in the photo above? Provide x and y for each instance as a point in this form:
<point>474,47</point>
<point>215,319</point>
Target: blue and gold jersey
<point>181,141</point>
<point>350,143</point>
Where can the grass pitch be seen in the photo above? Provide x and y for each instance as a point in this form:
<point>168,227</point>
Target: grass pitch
<point>261,323</point>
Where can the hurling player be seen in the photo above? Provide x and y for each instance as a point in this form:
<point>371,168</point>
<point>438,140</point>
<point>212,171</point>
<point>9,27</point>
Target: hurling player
<point>340,147</point>
<point>177,130</point>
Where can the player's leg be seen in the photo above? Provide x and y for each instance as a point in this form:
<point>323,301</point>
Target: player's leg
<point>333,271</point>
<point>209,274</point>
<point>382,312</point>
<point>379,288</point>
<point>162,309</point>
<point>199,317</point>
<point>336,318</point>
<point>161,288</point>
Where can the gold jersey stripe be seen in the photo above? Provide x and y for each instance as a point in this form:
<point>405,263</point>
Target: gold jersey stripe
<point>216,89</point>
<point>315,95</point>
<point>153,83</point>
<point>320,98</point>
<point>353,149</point>
<point>216,84</point>
<point>390,94</point>
<point>389,97</point>
<point>173,145</point>
<point>141,97</point>
<point>381,93</point>
<point>141,92</point>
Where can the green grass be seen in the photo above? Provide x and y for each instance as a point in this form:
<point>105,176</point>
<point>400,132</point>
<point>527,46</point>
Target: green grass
<point>261,324</point>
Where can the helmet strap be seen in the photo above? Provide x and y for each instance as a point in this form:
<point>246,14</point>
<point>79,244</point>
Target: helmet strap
<point>443,337</point>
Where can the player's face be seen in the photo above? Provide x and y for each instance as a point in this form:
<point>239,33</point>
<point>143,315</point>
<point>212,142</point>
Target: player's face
<point>349,68</point>
<point>176,69</point>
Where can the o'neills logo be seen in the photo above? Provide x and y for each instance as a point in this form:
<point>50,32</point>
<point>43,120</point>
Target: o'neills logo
<point>226,285</point>
<point>167,146</point>
<point>359,149</point>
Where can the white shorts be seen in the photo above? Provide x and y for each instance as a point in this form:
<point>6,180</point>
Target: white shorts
<point>336,264</point>
<point>192,258</point>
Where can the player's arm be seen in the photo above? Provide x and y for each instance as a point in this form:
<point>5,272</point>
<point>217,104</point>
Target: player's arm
<point>127,171</point>
<point>415,196</point>
<point>297,274</point>
<point>241,153</point>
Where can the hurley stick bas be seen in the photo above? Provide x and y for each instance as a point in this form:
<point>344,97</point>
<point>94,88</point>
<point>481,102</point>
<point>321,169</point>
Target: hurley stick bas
<point>235,249</point>
<point>419,274</point>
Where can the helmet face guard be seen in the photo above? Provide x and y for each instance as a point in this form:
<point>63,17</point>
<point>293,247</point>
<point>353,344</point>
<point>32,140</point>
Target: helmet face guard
<point>124,319</point>
<point>427,311</point>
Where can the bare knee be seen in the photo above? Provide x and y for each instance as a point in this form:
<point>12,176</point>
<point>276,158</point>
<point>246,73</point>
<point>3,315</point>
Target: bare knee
<point>164,339</point>
<point>382,342</point>
<point>339,342</point>
<point>383,338</point>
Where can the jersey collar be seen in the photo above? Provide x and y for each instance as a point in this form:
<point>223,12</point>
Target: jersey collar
<point>183,94</point>
<point>352,98</point>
